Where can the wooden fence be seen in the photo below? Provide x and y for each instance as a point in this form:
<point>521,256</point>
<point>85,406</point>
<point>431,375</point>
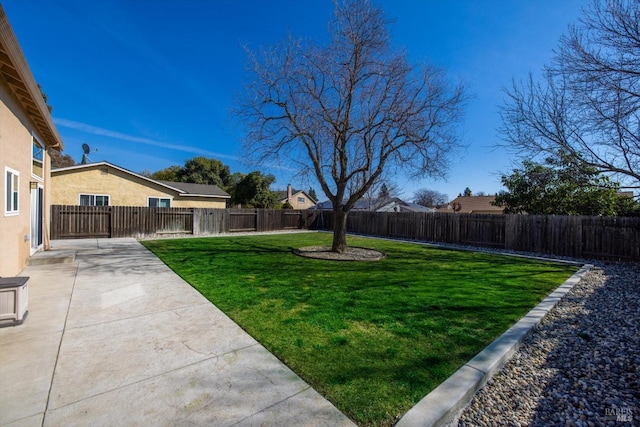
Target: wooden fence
<point>70,222</point>
<point>611,238</point>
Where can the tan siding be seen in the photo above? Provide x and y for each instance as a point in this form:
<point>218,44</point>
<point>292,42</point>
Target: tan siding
<point>15,153</point>
<point>297,205</point>
<point>122,188</point>
<point>195,202</point>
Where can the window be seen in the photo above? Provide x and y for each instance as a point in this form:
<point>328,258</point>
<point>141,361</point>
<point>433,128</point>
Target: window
<point>94,200</point>
<point>11,194</point>
<point>37,160</point>
<point>159,202</point>
<point>301,200</point>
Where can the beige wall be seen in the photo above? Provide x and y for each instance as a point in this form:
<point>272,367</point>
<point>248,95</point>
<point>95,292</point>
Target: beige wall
<point>297,205</point>
<point>16,154</point>
<point>122,188</point>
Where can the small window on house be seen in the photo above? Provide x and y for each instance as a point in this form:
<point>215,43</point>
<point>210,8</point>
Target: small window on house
<point>301,200</point>
<point>94,200</point>
<point>37,162</point>
<point>159,202</point>
<point>12,191</point>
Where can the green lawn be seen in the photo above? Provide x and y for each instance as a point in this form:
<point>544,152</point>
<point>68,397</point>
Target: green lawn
<point>372,337</point>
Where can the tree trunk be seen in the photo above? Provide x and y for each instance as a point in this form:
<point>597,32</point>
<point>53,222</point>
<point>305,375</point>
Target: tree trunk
<point>339,230</point>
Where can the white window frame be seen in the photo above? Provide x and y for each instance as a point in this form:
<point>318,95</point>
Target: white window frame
<point>302,200</point>
<point>159,199</point>
<point>35,142</point>
<point>93,196</point>
<point>11,192</point>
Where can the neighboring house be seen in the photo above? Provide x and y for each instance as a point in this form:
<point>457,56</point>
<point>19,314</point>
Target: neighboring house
<point>27,134</point>
<point>472,204</point>
<point>389,204</point>
<point>298,199</point>
<point>105,184</point>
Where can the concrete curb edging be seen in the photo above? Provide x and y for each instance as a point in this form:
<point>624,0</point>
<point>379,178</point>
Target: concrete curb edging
<point>443,405</point>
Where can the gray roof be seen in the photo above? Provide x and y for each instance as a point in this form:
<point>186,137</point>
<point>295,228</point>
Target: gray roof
<point>392,204</point>
<point>197,189</point>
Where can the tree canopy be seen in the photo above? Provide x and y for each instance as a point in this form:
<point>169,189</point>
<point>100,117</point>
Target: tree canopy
<point>587,105</point>
<point>249,190</point>
<point>253,190</point>
<point>349,110</point>
<point>561,187</point>
<point>198,170</point>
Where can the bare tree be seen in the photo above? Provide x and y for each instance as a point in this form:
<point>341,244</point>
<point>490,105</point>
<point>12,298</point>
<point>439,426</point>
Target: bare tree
<point>587,106</point>
<point>349,110</point>
<point>430,198</point>
<point>59,160</point>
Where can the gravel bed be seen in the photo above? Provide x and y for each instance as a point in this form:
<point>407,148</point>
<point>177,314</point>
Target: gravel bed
<point>579,367</point>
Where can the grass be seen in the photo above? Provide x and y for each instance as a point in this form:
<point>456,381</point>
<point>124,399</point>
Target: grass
<point>372,337</point>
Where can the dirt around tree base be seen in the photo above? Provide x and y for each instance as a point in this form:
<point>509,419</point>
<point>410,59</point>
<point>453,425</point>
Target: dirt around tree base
<point>351,254</point>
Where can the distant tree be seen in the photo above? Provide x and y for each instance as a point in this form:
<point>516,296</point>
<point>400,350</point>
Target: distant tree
<point>587,104</point>
<point>234,180</point>
<point>203,170</point>
<point>467,192</point>
<point>384,192</point>
<point>253,190</point>
<point>46,100</point>
<point>349,110</point>
<point>481,193</point>
<point>430,198</point>
<point>168,174</point>
<point>559,188</point>
<point>59,160</point>
<point>312,194</point>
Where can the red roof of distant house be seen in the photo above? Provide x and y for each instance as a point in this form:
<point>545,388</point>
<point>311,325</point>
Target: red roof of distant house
<point>473,204</point>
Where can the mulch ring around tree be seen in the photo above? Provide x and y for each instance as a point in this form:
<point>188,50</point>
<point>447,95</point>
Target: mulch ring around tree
<point>351,254</point>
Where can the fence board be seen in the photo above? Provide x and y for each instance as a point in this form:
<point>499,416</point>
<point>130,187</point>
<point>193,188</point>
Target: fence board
<point>574,236</point>
<point>131,221</point>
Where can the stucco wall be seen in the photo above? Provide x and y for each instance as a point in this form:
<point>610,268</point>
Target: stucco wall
<point>16,154</point>
<point>297,205</point>
<point>122,188</point>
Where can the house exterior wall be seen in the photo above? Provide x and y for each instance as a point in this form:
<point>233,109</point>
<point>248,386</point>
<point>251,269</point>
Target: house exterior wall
<point>299,205</point>
<point>122,188</point>
<point>16,141</point>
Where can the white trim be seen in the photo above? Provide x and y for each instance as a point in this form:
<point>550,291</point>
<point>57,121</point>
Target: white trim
<point>159,198</point>
<point>34,193</point>
<point>35,141</point>
<point>94,196</point>
<point>8,197</point>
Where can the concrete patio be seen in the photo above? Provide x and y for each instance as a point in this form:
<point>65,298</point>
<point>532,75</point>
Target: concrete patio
<point>114,337</point>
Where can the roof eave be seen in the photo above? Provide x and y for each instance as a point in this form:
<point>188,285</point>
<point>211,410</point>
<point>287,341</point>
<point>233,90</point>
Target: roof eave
<point>16,72</point>
<point>204,195</point>
<point>180,192</point>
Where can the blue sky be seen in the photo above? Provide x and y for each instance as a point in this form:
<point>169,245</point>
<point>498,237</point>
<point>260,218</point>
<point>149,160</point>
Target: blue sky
<point>149,83</point>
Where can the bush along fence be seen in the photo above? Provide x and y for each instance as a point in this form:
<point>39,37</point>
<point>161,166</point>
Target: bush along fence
<point>612,238</point>
<point>71,222</point>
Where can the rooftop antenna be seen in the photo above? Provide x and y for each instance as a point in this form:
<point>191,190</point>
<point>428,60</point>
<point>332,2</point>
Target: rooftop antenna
<point>85,157</point>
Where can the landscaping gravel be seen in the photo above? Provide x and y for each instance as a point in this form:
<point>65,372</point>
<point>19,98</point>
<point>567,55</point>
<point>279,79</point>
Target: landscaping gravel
<point>579,367</point>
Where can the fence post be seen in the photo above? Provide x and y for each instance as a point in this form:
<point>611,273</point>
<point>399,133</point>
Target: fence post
<point>195,218</point>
